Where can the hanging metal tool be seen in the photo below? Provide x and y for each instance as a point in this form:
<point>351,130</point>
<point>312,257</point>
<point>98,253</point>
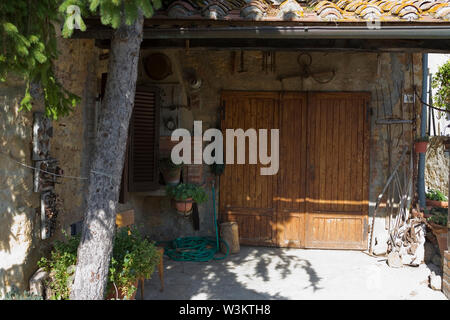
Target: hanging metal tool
<point>242,69</point>
<point>268,61</point>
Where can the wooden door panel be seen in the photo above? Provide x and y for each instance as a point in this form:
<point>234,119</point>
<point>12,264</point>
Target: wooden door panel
<point>246,196</point>
<point>336,230</point>
<point>291,174</point>
<point>337,195</point>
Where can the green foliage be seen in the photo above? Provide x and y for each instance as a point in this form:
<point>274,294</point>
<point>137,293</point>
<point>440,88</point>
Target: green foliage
<point>15,294</point>
<point>28,50</point>
<point>441,82</point>
<point>62,257</point>
<point>436,195</point>
<point>133,257</point>
<point>28,44</point>
<point>185,191</point>
<point>108,10</point>
<point>439,216</point>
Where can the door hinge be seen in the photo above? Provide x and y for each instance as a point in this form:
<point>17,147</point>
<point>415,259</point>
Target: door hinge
<point>366,227</point>
<point>368,111</point>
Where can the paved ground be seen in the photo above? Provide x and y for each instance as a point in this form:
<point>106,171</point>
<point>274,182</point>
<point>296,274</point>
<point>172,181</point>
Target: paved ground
<point>274,273</point>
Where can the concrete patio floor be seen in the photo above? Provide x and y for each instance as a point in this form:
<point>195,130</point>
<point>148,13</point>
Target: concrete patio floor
<point>274,273</point>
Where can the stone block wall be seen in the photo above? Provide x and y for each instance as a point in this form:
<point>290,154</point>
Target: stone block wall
<point>20,241</point>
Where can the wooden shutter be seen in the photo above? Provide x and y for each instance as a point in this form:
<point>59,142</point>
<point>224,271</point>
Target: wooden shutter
<point>143,171</point>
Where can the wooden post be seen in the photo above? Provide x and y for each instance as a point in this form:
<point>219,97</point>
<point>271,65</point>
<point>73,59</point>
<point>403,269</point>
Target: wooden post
<point>229,232</point>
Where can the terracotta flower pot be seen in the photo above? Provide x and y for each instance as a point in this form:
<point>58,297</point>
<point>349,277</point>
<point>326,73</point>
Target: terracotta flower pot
<point>421,147</point>
<point>441,235</point>
<point>437,204</point>
<point>112,293</point>
<point>183,206</point>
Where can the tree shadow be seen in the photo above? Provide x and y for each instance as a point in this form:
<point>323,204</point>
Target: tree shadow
<point>254,273</point>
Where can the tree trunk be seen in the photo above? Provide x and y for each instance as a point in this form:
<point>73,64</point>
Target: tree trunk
<point>98,231</point>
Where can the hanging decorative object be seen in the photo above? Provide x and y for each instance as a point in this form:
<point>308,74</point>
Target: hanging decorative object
<point>157,66</point>
<point>305,61</point>
<point>46,174</point>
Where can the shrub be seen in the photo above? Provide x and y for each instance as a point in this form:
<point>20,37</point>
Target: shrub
<point>133,257</point>
<point>63,256</point>
<point>441,82</point>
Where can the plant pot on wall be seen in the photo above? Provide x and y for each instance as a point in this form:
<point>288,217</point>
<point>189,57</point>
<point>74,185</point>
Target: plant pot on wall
<point>421,144</point>
<point>171,172</point>
<point>183,206</point>
<point>184,194</point>
<point>437,204</point>
<point>421,147</point>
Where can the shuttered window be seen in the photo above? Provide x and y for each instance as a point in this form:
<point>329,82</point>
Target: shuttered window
<point>143,138</point>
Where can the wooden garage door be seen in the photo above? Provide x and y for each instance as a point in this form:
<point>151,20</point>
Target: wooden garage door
<point>246,196</point>
<point>318,199</point>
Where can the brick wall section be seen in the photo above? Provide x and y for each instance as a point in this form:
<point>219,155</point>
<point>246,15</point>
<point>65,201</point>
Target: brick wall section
<point>446,276</point>
<point>192,173</point>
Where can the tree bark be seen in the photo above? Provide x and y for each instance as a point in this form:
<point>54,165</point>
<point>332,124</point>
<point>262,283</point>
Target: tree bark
<point>98,231</point>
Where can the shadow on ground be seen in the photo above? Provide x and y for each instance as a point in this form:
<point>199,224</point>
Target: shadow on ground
<point>251,274</point>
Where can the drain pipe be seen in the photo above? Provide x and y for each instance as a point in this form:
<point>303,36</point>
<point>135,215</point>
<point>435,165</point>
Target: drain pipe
<point>423,129</point>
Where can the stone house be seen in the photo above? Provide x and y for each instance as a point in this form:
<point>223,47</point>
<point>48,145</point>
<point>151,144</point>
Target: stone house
<point>324,73</point>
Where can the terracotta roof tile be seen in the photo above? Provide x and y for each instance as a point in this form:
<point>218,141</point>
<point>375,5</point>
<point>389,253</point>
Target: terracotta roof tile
<point>310,10</point>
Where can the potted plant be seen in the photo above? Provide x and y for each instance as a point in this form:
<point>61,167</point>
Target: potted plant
<point>185,194</point>
<point>421,143</point>
<point>171,172</point>
<point>438,223</point>
<point>436,198</point>
<point>133,258</point>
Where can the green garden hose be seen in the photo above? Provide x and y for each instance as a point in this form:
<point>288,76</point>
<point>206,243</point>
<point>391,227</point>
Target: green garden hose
<point>198,249</point>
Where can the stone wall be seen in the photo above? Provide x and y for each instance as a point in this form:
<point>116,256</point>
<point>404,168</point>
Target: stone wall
<point>437,164</point>
<point>18,221</point>
<point>20,242</point>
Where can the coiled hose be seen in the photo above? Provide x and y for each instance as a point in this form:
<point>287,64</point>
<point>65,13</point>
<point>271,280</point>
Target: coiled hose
<point>200,249</point>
